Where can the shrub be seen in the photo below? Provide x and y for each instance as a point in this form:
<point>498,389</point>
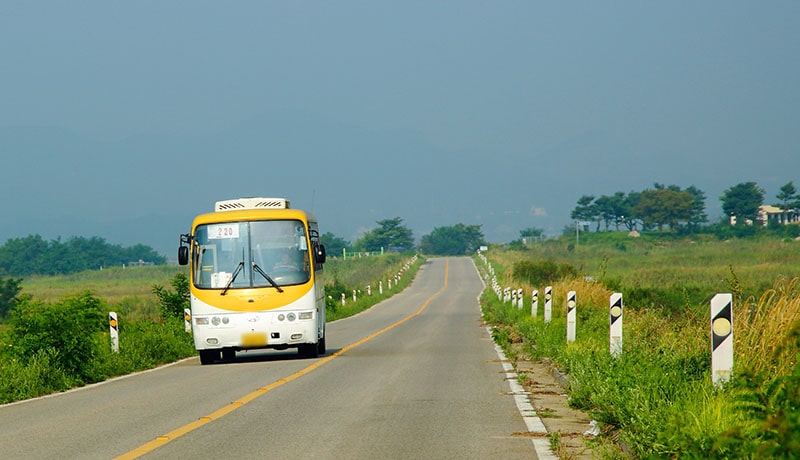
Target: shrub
<point>9,289</point>
<point>38,375</point>
<point>171,303</point>
<point>69,328</point>
<point>537,272</point>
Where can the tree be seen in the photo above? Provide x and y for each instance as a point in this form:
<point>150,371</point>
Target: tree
<point>585,210</point>
<point>630,219</point>
<point>459,239</point>
<point>742,201</point>
<point>392,235</point>
<point>788,197</point>
<point>697,214</point>
<point>531,232</point>
<point>664,206</point>
<point>33,255</point>
<point>334,244</point>
<point>613,209</point>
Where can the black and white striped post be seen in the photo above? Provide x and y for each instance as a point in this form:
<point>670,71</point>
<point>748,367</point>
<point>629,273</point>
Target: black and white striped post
<point>571,316</point>
<point>615,324</point>
<point>535,303</point>
<point>721,338</point>
<point>548,304</point>
<point>520,299</point>
<point>187,320</point>
<point>113,327</point>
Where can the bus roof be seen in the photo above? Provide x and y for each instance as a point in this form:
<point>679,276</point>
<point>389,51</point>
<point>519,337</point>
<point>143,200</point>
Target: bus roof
<point>251,203</point>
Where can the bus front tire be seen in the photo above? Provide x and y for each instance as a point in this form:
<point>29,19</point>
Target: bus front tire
<point>321,349</point>
<point>209,356</point>
<point>308,350</point>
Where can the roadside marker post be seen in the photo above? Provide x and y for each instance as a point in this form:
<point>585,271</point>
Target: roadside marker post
<point>535,303</point>
<point>513,297</point>
<point>548,304</point>
<point>520,299</point>
<point>721,338</point>
<point>187,319</point>
<point>615,324</point>
<point>571,316</point>
<point>113,331</point>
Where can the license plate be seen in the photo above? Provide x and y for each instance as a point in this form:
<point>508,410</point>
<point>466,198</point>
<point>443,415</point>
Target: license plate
<point>254,339</point>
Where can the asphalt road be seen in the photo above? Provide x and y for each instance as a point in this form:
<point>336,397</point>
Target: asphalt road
<point>414,377</point>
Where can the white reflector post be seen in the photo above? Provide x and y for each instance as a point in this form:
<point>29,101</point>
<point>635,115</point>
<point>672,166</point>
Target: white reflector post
<point>721,338</point>
<point>615,324</point>
<point>548,304</point>
<point>571,316</point>
<point>187,320</point>
<point>520,298</point>
<point>113,328</point>
<point>535,303</point>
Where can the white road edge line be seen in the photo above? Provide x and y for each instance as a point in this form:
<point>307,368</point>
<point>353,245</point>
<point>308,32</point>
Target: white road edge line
<point>535,425</point>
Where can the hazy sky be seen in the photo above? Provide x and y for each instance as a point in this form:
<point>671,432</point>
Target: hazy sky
<point>125,119</point>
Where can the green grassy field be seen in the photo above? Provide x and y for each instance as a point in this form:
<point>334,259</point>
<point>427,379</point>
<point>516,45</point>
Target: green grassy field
<point>127,290</point>
<point>657,399</point>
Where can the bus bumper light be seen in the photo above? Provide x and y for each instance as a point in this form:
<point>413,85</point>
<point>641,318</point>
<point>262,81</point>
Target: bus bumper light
<point>212,341</point>
<point>297,336</point>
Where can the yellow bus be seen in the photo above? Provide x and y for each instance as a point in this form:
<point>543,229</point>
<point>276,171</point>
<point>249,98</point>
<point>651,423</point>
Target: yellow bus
<point>255,268</point>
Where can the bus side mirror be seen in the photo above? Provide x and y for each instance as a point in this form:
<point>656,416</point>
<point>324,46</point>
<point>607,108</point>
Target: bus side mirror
<point>319,253</point>
<point>183,255</point>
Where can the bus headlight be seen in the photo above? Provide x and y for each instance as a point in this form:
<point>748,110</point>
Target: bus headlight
<point>215,321</point>
<point>201,321</point>
<point>306,314</point>
<point>291,317</point>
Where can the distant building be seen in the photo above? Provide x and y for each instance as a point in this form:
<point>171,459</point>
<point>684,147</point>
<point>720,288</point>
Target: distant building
<point>773,214</point>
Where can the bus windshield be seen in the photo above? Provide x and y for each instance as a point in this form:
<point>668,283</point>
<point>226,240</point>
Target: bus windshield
<point>269,253</point>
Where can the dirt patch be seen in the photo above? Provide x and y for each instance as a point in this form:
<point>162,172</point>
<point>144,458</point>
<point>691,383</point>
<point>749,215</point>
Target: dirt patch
<point>547,388</point>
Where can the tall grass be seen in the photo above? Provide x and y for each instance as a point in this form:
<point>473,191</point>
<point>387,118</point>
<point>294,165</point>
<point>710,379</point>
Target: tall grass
<point>764,329</point>
<point>657,398</point>
<point>366,276</point>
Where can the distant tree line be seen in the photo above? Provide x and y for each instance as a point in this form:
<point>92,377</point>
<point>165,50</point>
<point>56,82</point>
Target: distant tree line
<point>33,255</point>
<point>392,235</point>
<point>672,208</point>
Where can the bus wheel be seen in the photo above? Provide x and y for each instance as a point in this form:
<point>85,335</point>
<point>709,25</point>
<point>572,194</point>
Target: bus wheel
<point>208,356</point>
<point>321,349</point>
<point>308,350</point>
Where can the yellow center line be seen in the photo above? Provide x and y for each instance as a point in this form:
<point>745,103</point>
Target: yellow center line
<point>225,410</point>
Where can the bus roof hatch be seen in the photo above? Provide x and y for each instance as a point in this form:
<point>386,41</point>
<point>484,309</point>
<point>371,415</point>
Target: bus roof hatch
<point>251,203</point>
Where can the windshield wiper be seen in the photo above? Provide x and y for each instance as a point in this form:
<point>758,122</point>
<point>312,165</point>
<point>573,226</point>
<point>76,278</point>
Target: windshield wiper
<point>233,277</point>
<point>266,277</point>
